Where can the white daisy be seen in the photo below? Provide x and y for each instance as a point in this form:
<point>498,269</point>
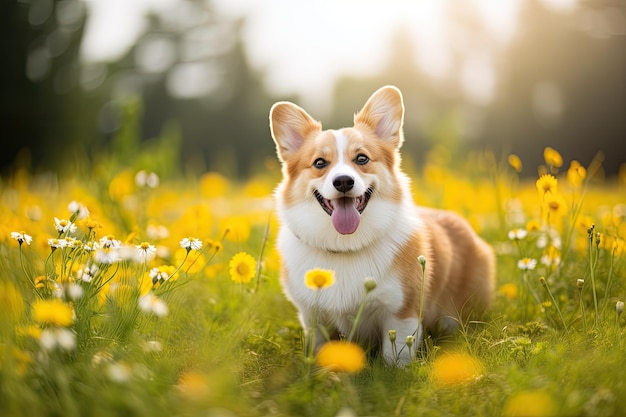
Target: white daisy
<point>61,337</point>
<point>64,226</point>
<point>80,209</point>
<point>517,234</point>
<point>150,303</point>
<point>526,264</point>
<point>110,242</point>
<point>71,242</point>
<point>147,179</point>
<point>88,273</point>
<point>145,251</point>
<point>21,237</point>
<point>56,243</point>
<point>107,255</point>
<point>190,243</point>
<point>91,246</point>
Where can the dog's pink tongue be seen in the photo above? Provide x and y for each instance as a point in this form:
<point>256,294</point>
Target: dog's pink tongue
<point>345,216</point>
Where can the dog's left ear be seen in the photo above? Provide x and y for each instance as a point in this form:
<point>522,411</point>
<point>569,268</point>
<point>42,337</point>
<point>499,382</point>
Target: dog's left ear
<point>383,113</point>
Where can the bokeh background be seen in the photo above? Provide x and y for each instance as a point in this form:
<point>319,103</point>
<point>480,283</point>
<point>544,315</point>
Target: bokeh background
<point>197,78</point>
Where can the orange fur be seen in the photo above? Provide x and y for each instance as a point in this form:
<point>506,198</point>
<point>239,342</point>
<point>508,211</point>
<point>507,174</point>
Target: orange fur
<point>344,204</point>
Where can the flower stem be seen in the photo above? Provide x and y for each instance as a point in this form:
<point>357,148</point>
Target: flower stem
<point>592,273</point>
<point>558,310</point>
<point>179,266</point>
<point>258,262</point>
<point>355,324</point>
<point>24,269</point>
<point>582,308</point>
<point>422,260</point>
<point>394,347</point>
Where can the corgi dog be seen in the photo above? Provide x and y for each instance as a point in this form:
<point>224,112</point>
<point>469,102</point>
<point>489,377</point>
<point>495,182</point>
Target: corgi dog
<point>345,205</point>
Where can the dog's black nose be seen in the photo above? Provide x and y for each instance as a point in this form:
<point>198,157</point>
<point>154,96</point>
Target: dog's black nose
<point>343,183</point>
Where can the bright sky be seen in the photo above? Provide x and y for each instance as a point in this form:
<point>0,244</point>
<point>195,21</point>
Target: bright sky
<point>302,46</point>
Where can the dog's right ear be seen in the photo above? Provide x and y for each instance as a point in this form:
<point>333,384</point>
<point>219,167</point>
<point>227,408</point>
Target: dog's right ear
<point>383,113</point>
<point>291,126</point>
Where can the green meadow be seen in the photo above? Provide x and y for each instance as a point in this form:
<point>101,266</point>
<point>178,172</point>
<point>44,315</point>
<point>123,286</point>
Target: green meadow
<point>126,291</point>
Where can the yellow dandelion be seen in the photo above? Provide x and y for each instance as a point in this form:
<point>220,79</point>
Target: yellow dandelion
<point>533,225</point>
<point>213,246</point>
<point>576,174</point>
<point>555,204</point>
<point>547,183</point>
<point>319,278</point>
<point>53,312</point>
<point>618,247</point>
<point>341,356</point>
<point>90,223</point>
<point>29,331</point>
<point>455,369</point>
<point>584,223</point>
<point>242,267</point>
<point>613,244</point>
<point>195,220</point>
<point>552,157</point>
<point>257,188</point>
<point>122,185</point>
<point>509,291</point>
<point>535,403</point>
<point>515,162</point>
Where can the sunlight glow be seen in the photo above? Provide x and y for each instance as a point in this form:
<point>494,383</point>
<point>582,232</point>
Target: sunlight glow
<point>302,48</point>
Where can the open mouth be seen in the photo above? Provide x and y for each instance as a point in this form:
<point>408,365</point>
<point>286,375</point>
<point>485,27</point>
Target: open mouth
<point>359,202</point>
<point>345,212</point>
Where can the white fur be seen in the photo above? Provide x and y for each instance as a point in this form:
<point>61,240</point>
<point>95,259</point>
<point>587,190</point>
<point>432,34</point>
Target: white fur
<point>304,244</point>
<point>339,303</point>
<point>342,167</point>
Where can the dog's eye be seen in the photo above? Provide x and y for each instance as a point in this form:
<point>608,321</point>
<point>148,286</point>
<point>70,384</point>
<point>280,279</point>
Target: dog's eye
<point>320,163</point>
<point>361,159</point>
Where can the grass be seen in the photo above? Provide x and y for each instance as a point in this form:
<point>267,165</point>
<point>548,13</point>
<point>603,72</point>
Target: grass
<point>196,337</point>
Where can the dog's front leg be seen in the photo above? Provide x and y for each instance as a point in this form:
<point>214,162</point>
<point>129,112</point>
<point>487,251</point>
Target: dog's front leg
<point>395,349</point>
<point>314,337</point>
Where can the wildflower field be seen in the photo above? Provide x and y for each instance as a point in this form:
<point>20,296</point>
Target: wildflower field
<point>125,292</point>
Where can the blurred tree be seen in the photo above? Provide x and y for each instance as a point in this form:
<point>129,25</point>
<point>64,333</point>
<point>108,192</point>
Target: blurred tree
<point>560,83</point>
<point>59,113</point>
<point>46,120</point>
<point>564,86</point>
<point>193,70</point>
<point>437,110</point>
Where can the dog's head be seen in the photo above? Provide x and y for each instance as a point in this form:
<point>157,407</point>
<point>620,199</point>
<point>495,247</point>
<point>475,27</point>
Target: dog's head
<point>340,177</point>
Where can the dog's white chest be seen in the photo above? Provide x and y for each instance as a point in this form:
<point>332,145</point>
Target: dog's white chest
<point>351,269</point>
